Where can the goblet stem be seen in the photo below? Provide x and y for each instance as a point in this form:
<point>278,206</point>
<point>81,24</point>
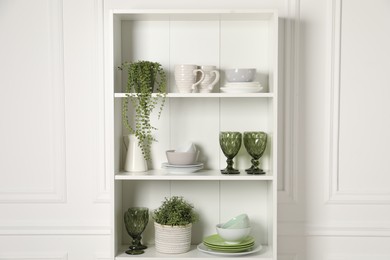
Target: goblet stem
<point>254,169</point>
<point>136,243</point>
<point>229,168</point>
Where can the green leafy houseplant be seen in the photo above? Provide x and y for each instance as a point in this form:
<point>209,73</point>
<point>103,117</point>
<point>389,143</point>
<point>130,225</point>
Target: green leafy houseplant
<point>144,79</point>
<point>175,211</point>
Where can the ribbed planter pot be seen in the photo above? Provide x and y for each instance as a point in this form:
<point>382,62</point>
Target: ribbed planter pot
<point>172,239</point>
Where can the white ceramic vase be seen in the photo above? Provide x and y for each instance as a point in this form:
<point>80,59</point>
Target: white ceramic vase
<point>172,239</point>
<point>135,161</point>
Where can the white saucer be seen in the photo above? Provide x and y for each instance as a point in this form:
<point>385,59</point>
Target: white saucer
<point>243,84</point>
<point>179,170</point>
<point>256,248</point>
<point>167,165</point>
<point>241,89</point>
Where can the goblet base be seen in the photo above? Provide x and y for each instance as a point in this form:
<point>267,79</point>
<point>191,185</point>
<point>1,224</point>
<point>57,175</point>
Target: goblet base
<point>141,246</point>
<point>255,171</point>
<point>134,252</point>
<point>230,171</point>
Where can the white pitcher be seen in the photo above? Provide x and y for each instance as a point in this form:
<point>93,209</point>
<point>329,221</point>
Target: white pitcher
<point>135,161</point>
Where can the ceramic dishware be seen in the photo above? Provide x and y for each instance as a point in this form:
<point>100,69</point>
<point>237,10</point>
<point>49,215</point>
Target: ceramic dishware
<point>240,221</point>
<point>233,235</point>
<point>211,78</point>
<point>185,77</point>
<point>240,74</point>
<point>180,158</point>
<point>186,147</point>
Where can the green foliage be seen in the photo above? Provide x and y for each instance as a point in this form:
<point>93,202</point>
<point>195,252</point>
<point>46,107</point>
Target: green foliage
<point>144,78</point>
<point>175,211</point>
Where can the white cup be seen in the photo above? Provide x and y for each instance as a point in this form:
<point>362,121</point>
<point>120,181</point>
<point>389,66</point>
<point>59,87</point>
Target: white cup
<point>211,77</point>
<point>185,77</point>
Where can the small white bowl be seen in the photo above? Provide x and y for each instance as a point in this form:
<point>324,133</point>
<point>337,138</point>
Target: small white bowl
<point>181,158</point>
<point>240,221</point>
<point>233,235</point>
<point>240,75</point>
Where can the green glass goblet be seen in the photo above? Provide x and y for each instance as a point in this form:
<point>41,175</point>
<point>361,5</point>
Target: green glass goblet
<point>255,144</point>
<point>136,219</point>
<point>230,143</point>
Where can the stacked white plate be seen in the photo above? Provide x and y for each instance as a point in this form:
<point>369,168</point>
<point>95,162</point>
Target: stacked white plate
<point>182,168</point>
<point>242,87</point>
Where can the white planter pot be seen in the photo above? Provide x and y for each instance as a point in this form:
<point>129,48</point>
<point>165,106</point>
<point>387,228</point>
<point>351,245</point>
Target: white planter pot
<point>172,239</point>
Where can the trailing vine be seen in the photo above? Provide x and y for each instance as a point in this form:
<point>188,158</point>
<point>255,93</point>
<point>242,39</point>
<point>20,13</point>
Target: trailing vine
<point>144,79</point>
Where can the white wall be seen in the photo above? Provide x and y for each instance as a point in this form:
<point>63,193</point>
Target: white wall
<point>333,192</point>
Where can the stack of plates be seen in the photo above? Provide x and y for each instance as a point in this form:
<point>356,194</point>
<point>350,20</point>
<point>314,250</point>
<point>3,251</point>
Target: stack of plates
<point>214,244</point>
<point>182,168</point>
<point>242,87</point>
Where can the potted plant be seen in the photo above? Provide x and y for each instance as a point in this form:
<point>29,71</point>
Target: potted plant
<point>173,223</point>
<point>146,87</point>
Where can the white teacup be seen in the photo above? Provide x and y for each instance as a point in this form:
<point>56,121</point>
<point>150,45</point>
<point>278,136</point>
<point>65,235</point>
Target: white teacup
<point>185,77</point>
<point>211,77</point>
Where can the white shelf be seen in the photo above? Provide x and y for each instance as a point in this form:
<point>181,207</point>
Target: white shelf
<point>236,38</point>
<point>206,175</point>
<point>194,253</point>
<point>210,95</point>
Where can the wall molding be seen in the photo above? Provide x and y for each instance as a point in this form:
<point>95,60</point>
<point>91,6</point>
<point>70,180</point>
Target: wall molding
<point>288,256</point>
<point>57,192</point>
<point>356,229</point>
<point>103,179</point>
<point>333,193</point>
<point>291,110</point>
<point>54,230</point>
<point>357,257</point>
<point>34,256</point>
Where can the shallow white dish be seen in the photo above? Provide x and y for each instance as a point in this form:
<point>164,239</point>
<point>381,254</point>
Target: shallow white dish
<point>241,89</point>
<point>167,165</point>
<point>243,84</point>
<point>256,248</point>
<point>180,169</point>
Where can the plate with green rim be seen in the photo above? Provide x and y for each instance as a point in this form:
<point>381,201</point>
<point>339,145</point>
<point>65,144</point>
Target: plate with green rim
<point>229,247</point>
<point>254,249</point>
<point>232,250</point>
<point>216,240</point>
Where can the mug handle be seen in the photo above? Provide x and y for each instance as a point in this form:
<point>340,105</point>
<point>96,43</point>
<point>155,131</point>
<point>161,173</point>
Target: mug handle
<point>216,72</point>
<point>201,78</point>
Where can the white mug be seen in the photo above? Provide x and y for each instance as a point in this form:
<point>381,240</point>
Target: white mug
<point>211,77</point>
<point>185,77</point>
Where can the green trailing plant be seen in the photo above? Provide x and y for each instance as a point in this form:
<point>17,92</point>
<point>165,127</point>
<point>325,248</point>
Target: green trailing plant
<point>146,86</point>
<point>175,211</point>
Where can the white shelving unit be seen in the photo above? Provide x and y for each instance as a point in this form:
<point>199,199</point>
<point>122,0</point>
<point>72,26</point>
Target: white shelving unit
<point>224,38</point>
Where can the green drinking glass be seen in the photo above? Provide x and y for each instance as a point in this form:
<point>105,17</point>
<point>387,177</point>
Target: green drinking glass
<point>230,143</point>
<point>255,144</point>
<point>136,219</point>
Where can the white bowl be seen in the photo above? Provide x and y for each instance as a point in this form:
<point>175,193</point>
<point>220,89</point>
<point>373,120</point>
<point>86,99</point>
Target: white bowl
<point>240,75</point>
<point>186,147</point>
<point>233,235</point>
<point>240,221</point>
<point>180,158</point>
